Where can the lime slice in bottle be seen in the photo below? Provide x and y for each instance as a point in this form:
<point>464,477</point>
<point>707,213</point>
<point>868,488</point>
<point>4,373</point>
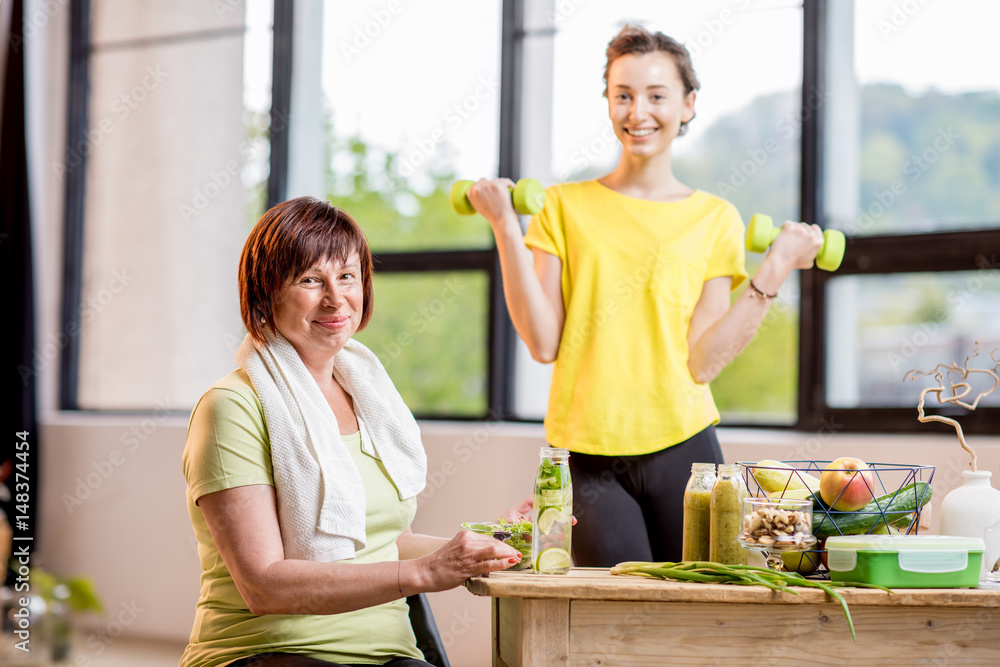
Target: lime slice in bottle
<point>553,560</point>
<point>548,516</point>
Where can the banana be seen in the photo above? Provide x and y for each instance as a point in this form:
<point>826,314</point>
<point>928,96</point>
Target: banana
<point>775,476</point>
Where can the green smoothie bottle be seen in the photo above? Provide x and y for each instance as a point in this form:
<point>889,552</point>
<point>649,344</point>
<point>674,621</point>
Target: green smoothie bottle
<point>552,531</point>
<point>697,512</point>
<point>728,493</point>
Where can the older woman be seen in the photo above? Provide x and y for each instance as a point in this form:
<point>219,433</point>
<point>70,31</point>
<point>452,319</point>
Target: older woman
<point>302,469</point>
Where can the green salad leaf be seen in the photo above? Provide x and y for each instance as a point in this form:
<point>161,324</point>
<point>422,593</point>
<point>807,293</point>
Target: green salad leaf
<point>499,527</point>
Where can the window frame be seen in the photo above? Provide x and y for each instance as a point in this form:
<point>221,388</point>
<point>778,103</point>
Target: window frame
<point>77,118</point>
<point>500,329</point>
<point>867,255</point>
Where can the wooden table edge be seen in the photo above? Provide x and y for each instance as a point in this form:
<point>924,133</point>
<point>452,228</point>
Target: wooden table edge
<point>599,584</point>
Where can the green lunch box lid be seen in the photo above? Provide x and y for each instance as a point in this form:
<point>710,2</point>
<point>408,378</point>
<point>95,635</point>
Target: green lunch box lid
<point>904,543</point>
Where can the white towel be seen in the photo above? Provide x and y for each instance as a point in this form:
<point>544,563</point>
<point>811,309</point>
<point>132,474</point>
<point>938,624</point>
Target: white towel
<point>321,501</point>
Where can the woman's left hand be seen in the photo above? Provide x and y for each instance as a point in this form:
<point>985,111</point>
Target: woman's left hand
<point>798,244</point>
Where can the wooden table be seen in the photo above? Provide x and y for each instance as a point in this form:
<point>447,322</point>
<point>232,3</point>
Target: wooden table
<point>589,617</point>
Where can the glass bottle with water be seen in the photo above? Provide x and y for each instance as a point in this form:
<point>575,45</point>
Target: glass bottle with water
<point>552,530</point>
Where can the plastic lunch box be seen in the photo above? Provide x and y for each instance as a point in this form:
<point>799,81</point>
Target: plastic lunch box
<point>906,561</point>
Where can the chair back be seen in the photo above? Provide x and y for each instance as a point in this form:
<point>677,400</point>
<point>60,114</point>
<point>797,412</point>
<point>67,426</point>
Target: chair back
<point>426,631</point>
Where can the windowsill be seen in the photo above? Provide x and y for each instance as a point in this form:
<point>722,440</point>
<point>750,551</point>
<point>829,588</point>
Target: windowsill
<point>531,431</point>
<point>108,419</point>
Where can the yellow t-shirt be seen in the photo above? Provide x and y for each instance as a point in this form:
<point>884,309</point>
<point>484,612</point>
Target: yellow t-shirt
<point>227,446</point>
<point>632,273</point>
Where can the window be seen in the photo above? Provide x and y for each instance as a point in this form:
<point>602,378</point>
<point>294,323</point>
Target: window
<point>876,118</point>
<point>409,102</point>
<point>743,145</point>
<point>151,313</point>
<point>912,174</point>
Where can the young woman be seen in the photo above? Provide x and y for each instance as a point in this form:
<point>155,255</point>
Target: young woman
<point>626,288</point>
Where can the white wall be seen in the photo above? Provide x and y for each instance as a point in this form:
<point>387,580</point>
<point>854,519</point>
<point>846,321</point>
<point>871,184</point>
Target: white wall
<point>131,534</point>
<point>112,504</point>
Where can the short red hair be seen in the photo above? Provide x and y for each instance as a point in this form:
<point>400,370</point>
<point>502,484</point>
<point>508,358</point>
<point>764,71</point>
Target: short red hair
<point>289,239</point>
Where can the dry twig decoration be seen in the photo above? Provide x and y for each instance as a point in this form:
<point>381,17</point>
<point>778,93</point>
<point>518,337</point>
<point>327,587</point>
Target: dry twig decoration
<point>957,378</point>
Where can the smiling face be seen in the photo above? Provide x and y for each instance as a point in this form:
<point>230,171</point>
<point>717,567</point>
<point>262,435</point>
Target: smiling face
<point>319,310</point>
<point>647,102</point>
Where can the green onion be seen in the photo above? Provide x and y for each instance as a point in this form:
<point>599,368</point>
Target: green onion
<point>740,575</point>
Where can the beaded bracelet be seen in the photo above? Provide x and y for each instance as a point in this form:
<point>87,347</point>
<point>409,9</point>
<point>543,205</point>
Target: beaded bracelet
<point>756,291</point>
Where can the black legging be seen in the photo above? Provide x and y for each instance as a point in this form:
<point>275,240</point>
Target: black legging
<point>292,660</point>
<point>632,507</point>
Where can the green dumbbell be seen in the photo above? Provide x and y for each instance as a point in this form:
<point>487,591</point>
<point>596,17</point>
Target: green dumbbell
<point>528,195</point>
<point>761,234</point>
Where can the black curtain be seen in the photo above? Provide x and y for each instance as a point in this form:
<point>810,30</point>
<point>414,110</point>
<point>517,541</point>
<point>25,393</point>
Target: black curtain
<point>19,454</point>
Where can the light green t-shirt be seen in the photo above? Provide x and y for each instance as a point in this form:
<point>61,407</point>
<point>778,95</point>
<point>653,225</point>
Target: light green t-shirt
<point>227,446</point>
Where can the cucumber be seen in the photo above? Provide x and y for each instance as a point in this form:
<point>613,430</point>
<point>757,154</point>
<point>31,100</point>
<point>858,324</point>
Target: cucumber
<point>897,508</point>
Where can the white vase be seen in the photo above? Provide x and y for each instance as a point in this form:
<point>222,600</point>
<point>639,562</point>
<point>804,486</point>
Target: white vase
<point>973,510</point>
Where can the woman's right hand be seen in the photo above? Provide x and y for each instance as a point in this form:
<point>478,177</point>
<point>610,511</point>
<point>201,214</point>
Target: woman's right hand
<point>466,555</point>
<point>492,199</point>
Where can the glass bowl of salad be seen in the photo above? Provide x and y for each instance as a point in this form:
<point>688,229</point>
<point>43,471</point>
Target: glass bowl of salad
<point>517,535</point>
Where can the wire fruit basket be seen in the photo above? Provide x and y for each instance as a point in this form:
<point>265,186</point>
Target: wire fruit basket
<point>899,492</point>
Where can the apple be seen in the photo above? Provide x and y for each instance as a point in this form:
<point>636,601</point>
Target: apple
<point>846,485</point>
